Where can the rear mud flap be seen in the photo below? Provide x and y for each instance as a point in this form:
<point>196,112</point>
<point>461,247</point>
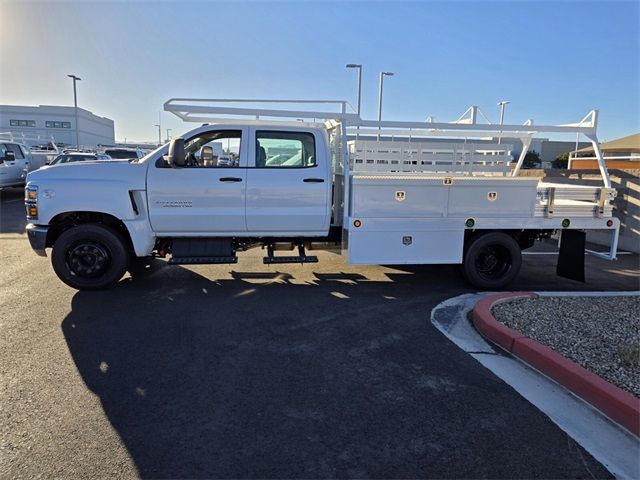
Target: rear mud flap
<point>571,258</point>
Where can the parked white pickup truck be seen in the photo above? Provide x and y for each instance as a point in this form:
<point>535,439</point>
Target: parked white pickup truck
<point>379,192</point>
<point>14,164</point>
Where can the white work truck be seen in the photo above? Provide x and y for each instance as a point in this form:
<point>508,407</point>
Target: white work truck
<point>295,181</point>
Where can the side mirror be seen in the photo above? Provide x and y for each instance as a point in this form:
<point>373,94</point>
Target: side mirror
<point>176,156</point>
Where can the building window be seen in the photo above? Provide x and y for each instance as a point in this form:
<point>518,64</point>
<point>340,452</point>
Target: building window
<point>57,124</point>
<point>22,123</point>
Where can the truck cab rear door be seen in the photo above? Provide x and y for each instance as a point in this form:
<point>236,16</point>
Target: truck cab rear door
<point>288,183</point>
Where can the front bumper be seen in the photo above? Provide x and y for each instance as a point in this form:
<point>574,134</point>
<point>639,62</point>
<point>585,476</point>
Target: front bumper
<point>38,238</point>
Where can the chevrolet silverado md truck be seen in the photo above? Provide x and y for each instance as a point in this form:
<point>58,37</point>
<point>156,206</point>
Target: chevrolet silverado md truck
<point>293,181</point>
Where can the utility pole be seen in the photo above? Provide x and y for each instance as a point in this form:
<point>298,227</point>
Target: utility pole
<point>75,104</point>
<point>359,67</point>
<point>501,104</point>
<point>168,130</point>
<point>159,133</point>
<point>380,87</point>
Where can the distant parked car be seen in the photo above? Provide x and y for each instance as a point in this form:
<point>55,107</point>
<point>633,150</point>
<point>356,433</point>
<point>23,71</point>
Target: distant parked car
<point>78,157</point>
<point>124,153</point>
<point>14,164</point>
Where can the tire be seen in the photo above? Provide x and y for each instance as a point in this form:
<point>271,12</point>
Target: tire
<point>90,257</point>
<point>491,261</point>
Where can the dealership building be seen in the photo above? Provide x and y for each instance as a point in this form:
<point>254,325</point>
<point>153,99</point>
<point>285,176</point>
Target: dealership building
<point>40,124</point>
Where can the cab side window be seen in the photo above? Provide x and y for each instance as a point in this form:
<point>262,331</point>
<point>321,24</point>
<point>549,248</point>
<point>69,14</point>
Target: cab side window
<point>214,149</point>
<point>285,149</point>
<point>12,147</point>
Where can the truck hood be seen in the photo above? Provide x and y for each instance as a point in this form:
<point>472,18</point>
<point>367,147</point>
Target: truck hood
<point>88,172</point>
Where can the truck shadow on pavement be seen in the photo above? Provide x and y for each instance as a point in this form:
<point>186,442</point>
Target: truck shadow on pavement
<point>259,376</point>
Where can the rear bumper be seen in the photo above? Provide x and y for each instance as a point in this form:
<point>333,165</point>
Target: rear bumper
<point>37,235</point>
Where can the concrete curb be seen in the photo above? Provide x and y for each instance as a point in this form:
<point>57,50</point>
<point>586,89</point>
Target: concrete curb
<point>615,403</point>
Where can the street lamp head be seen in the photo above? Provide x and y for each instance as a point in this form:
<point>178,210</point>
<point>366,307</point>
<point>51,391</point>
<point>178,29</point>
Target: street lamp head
<point>388,74</point>
<point>353,65</point>
<point>74,77</point>
<point>503,102</point>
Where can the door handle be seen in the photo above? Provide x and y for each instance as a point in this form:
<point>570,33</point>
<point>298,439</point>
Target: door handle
<point>313,180</point>
<point>230,179</point>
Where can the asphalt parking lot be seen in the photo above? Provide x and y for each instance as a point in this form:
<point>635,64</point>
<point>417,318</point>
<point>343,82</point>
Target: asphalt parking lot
<point>247,371</point>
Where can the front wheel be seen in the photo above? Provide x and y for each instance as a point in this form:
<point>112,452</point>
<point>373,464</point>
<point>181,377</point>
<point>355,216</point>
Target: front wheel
<point>90,257</point>
<point>492,260</point>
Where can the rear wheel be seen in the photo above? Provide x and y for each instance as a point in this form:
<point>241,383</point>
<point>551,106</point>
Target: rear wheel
<point>492,260</point>
<point>90,257</point>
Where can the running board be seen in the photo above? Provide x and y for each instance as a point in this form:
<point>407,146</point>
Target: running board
<point>291,259</point>
<point>201,260</point>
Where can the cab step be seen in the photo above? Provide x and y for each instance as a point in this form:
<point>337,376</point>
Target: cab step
<point>291,259</point>
<point>302,257</point>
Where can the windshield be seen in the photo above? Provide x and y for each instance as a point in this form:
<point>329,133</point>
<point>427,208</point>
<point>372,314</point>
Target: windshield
<point>72,158</point>
<point>150,154</point>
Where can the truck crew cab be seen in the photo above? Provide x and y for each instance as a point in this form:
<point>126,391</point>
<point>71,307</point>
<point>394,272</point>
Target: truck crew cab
<point>236,184</point>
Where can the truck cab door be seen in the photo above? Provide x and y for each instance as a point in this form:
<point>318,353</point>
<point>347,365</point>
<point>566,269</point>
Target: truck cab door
<point>206,197</point>
<point>288,183</point>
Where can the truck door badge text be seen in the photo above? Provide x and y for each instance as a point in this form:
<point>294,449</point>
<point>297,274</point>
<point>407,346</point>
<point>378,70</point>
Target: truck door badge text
<point>174,203</point>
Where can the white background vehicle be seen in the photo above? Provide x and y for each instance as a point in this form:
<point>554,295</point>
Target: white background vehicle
<point>378,192</point>
<point>14,164</point>
<point>124,153</point>
<point>78,157</point>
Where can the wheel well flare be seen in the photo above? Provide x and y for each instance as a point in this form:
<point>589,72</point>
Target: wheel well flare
<point>64,221</point>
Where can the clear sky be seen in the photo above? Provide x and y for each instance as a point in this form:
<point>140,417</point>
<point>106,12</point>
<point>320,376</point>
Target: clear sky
<point>554,61</point>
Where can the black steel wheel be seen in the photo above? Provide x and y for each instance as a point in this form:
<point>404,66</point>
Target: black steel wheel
<point>492,260</point>
<point>90,257</point>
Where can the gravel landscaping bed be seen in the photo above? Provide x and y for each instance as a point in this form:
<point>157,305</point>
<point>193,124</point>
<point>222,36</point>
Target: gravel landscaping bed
<point>600,333</point>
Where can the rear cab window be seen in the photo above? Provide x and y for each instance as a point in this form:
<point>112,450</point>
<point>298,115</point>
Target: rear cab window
<point>281,149</point>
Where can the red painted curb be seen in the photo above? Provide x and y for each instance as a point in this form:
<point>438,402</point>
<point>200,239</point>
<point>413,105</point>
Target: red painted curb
<point>485,322</point>
<point>618,405</point>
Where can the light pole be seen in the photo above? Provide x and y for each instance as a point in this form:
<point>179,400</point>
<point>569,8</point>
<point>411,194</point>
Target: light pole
<point>380,86</point>
<point>159,133</point>
<point>359,67</point>
<point>501,104</point>
<point>168,130</point>
<point>75,104</point>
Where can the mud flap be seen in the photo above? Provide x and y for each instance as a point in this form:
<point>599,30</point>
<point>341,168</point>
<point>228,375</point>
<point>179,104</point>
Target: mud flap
<point>571,258</point>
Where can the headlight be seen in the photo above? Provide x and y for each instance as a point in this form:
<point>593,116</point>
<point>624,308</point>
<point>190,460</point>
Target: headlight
<point>31,193</point>
<point>31,201</point>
